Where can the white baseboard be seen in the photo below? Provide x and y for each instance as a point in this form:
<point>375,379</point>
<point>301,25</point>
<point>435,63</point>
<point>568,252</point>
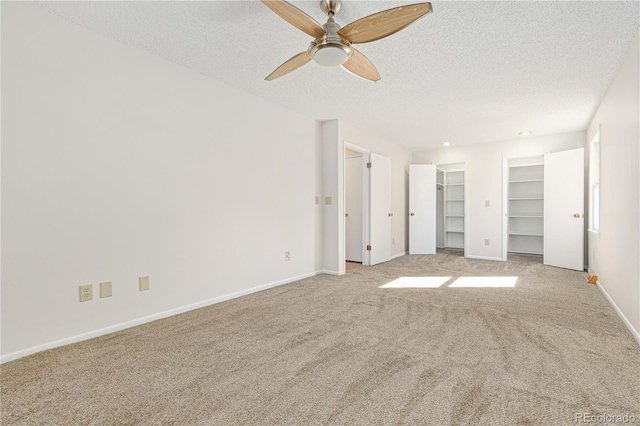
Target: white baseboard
<point>395,256</point>
<point>624,319</point>
<point>328,272</point>
<point>128,324</point>
<point>499,259</point>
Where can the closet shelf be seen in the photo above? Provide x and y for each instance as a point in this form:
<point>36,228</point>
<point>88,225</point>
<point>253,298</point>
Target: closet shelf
<point>525,234</point>
<point>525,252</point>
<point>526,180</point>
<point>532,165</point>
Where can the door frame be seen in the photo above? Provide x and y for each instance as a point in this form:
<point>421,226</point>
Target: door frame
<point>365,205</point>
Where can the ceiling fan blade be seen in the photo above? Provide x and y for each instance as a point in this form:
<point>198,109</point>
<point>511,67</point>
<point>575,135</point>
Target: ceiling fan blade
<point>383,24</point>
<point>361,66</point>
<point>291,65</point>
<point>295,17</point>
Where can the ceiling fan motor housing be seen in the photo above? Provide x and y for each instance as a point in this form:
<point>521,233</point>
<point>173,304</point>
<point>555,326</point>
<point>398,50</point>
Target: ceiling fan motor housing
<point>330,50</point>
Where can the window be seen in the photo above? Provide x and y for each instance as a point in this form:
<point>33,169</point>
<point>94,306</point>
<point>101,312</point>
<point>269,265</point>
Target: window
<point>594,184</point>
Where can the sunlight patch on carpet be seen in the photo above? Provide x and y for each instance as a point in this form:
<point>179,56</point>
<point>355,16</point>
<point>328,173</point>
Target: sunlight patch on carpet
<point>484,282</point>
<point>416,282</point>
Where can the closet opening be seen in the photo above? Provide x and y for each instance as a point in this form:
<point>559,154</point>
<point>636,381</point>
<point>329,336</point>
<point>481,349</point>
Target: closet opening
<point>451,207</point>
<point>525,205</point>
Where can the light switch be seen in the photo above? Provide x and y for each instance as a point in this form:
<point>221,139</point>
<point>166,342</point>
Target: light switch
<point>143,283</point>
<point>105,289</point>
<point>487,203</point>
<point>317,200</point>
<point>328,201</point>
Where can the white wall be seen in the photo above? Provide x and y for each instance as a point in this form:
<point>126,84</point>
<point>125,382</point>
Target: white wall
<point>330,160</point>
<point>335,134</point>
<point>117,164</point>
<point>318,210</point>
<point>483,171</point>
<point>615,254</point>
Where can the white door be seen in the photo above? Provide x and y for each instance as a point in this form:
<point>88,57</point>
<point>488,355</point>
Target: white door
<point>379,209</point>
<point>564,209</point>
<point>353,209</point>
<point>422,209</point>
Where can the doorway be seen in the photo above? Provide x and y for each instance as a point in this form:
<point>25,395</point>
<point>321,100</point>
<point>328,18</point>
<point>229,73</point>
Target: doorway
<point>543,207</point>
<point>438,211</point>
<point>374,198</point>
<point>354,209</point>
<point>451,215</point>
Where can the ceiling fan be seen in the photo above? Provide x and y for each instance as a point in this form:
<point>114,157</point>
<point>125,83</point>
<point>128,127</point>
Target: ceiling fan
<point>332,45</point>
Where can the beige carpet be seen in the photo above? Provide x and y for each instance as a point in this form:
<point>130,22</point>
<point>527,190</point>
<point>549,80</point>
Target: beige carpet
<point>342,351</point>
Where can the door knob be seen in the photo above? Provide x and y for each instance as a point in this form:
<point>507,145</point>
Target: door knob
<point>413,214</point>
<point>390,214</point>
<point>577,215</point>
<point>346,215</point>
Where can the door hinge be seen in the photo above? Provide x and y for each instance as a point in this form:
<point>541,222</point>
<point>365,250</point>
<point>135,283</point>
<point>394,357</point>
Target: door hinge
<point>368,248</point>
<point>368,165</point>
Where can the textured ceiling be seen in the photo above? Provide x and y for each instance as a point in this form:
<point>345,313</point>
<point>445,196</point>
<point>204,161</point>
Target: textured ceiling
<point>469,72</point>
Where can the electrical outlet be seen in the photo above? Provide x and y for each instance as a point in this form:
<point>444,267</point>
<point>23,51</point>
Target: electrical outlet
<point>487,203</point>
<point>105,289</point>
<point>287,256</point>
<point>86,292</point>
<point>328,201</point>
<point>487,242</point>
<point>143,283</point>
<point>317,200</point>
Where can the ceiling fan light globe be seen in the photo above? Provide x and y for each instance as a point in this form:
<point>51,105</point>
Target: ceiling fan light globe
<point>331,56</point>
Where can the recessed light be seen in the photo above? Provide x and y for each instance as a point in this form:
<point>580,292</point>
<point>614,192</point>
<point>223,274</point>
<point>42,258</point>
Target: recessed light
<point>445,143</point>
<point>527,133</point>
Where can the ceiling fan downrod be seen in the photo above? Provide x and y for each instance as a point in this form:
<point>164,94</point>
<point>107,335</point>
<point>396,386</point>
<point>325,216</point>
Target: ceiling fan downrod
<point>330,7</point>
